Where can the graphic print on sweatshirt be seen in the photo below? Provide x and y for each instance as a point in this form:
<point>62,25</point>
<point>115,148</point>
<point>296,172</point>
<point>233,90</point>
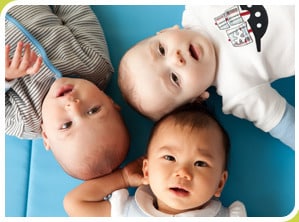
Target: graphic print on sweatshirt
<point>240,21</point>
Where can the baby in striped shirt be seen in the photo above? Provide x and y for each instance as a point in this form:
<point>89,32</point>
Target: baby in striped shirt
<point>56,66</point>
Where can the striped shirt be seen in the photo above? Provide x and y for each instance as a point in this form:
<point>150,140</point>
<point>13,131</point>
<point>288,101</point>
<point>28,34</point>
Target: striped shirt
<point>71,42</point>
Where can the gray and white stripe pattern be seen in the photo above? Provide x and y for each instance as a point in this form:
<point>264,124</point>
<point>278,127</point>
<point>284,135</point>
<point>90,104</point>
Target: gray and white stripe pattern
<point>75,44</point>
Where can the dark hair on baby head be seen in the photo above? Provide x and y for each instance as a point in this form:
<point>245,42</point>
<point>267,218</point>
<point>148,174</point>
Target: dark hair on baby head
<point>196,116</point>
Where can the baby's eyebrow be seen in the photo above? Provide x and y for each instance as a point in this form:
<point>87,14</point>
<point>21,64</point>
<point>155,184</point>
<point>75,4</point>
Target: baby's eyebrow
<point>168,149</point>
<point>204,152</point>
<point>152,48</point>
<point>62,136</point>
<point>201,151</point>
<point>165,148</point>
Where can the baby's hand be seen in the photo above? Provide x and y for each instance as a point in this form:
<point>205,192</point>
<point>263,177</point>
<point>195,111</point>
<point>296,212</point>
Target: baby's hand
<point>132,173</point>
<point>20,65</point>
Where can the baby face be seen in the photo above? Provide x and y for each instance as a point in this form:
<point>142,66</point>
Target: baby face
<point>170,69</point>
<point>80,122</point>
<point>185,167</point>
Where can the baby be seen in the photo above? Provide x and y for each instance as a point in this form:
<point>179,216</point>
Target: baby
<point>183,174</point>
<point>83,128</point>
<point>46,47</point>
<point>237,49</point>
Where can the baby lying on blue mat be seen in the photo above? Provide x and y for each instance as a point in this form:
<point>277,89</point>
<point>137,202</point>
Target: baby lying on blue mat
<point>261,168</point>
<point>75,118</point>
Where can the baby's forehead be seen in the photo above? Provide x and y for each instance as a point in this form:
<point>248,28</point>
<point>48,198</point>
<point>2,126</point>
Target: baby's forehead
<point>182,120</point>
<point>145,42</point>
<point>189,126</point>
<point>186,131</point>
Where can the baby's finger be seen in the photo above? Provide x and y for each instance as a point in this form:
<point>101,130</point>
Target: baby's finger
<point>7,59</point>
<point>33,58</point>
<point>17,55</point>
<point>35,67</point>
<point>25,60</point>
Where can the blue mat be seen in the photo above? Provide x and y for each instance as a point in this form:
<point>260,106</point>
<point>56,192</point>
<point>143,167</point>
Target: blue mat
<point>261,169</point>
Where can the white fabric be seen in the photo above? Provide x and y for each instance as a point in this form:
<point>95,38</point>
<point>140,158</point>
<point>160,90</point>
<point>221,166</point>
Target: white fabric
<point>244,73</point>
<point>142,205</point>
<point>9,84</point>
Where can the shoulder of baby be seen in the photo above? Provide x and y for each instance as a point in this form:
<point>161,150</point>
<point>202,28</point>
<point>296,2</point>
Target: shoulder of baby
<point>120,195</point>
<point>237,209</point>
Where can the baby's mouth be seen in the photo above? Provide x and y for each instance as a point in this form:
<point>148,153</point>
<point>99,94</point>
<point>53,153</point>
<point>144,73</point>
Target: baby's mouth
<point>194,52</point>
<point>64,90</point>
<point>179,191</point>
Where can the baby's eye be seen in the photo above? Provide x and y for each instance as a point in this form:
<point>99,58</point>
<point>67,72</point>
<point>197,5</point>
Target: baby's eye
<point>174,78</point>
<point>200,164</point>
<point>93,110</point>
<point>169,158</point>
<point>161,49</point>
<point>66,125</point>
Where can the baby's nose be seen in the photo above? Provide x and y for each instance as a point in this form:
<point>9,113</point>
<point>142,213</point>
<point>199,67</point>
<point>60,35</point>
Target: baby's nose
<point>183,172</point>
<point>72,102</point>
<point>179,58</point>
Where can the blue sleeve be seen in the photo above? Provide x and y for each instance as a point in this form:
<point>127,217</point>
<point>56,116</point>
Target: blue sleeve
<point>285,130</point>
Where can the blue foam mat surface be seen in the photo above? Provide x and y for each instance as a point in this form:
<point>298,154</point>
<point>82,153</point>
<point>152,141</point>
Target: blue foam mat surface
<point>261,169</point>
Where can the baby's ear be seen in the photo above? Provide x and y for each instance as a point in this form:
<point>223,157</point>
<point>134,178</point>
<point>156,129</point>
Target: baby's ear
<point>116,106</point>
<point>170,28</point>
<point>145,179</point>
<point>221,184</point>
<point>202,97</point>
<point>45,139</point>
<point>205,95</point>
